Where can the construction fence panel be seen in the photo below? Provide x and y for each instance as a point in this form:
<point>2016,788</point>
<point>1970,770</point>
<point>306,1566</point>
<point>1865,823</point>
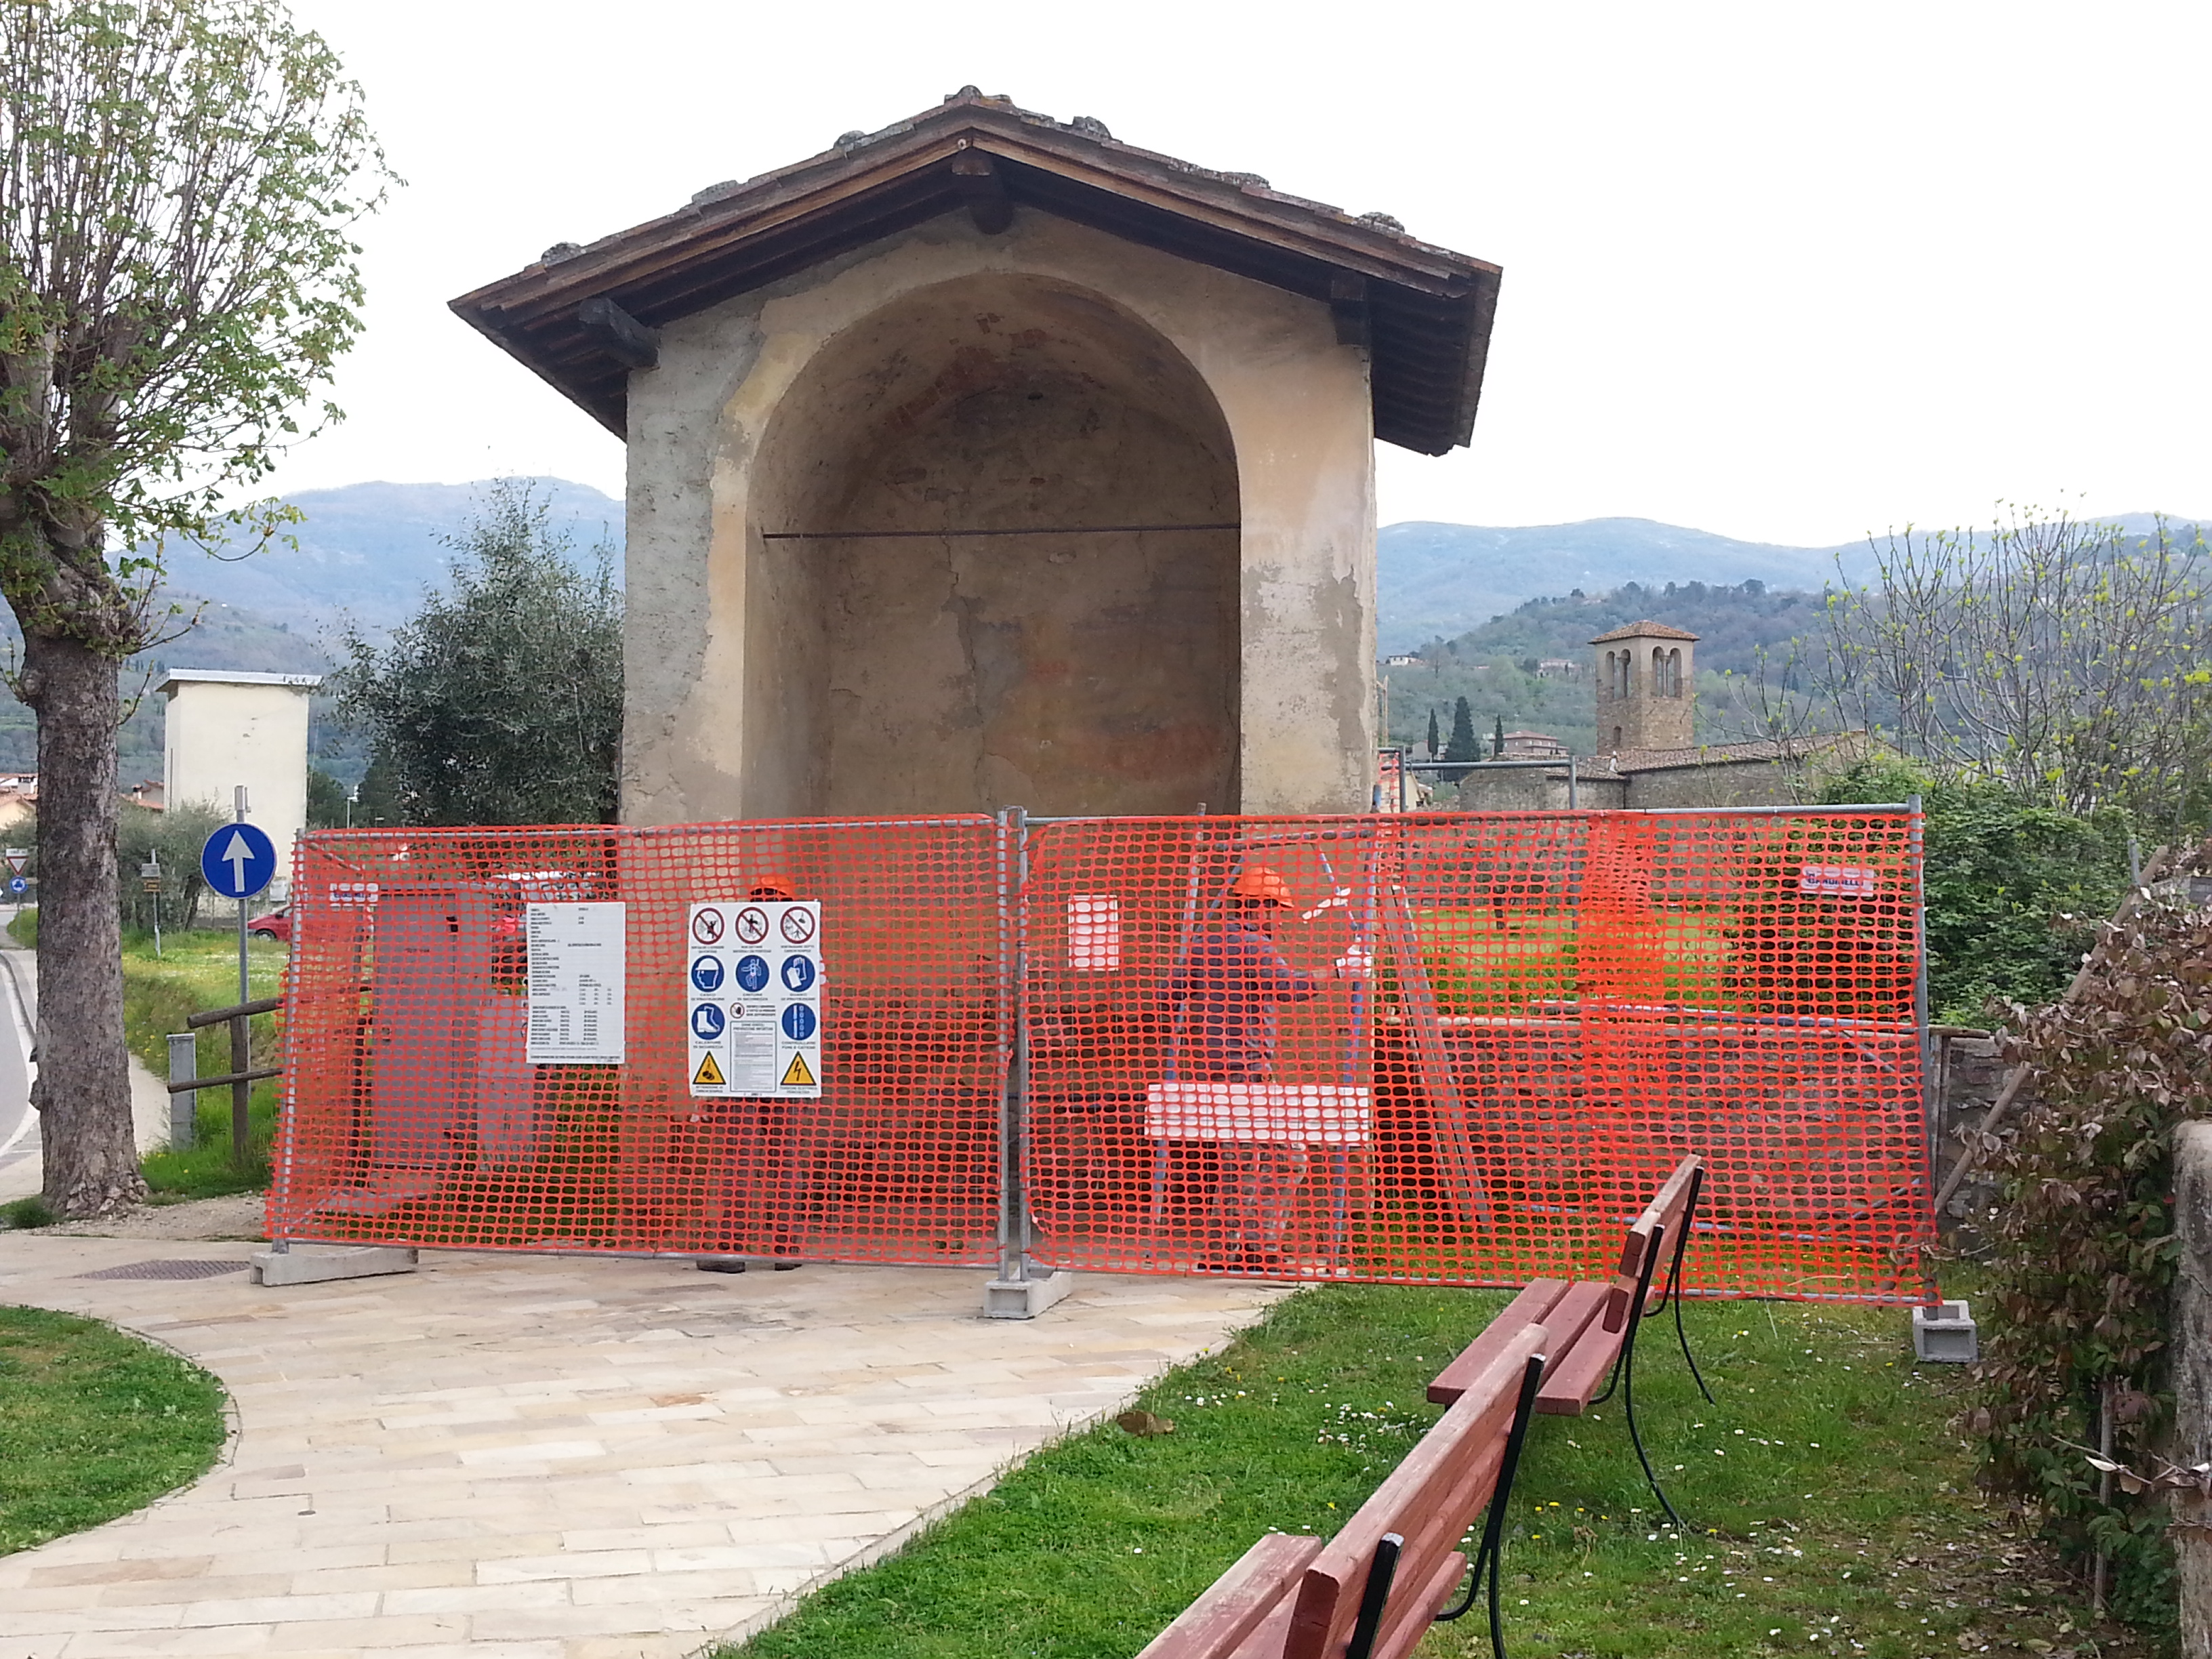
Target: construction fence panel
<point>1447,1047</point>
<point>1473,1044</point>
<point>414,1113</point>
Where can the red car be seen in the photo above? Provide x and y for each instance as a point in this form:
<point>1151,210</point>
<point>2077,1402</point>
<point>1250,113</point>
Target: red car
<point>276,924</point>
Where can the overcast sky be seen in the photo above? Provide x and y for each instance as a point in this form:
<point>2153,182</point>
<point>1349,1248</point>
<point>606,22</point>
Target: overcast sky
<point>1789,272</point>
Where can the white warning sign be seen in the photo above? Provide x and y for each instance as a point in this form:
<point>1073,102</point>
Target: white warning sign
<point>752,999</point>
<point>577,958</point>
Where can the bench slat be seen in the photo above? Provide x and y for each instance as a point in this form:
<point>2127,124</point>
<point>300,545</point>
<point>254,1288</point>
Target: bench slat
<point>1528,1308</point>
<point>1238,1602</point>
<point>1429,1498</point>
<point>1665,1210</point>
<point>1409,1614</point>
<point>1567,1387</point>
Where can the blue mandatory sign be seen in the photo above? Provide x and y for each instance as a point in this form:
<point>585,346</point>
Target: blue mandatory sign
<point>17,885</point>
<point>752,972</point>
<point>238,861</point>
<point>798,1021</point>
<point>706,973</point>
<point>706,1022</point>
<point>798,973</point>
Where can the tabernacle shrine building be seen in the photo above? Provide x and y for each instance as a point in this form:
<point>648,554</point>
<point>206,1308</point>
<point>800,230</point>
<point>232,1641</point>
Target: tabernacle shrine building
<point>989,460</point>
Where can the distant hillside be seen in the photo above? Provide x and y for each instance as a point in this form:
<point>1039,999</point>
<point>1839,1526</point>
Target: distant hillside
<point>1438,580</point>
<point>368,550</point>
<point>1495,667</point>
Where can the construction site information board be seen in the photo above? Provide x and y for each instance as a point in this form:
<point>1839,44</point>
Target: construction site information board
<point>752,1000</point>
<point>578,978</point>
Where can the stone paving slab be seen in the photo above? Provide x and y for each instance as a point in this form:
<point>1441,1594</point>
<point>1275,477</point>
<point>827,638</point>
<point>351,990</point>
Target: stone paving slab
<point>541,1458</point>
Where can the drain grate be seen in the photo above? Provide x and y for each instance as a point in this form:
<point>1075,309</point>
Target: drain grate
<point>169,1270</point>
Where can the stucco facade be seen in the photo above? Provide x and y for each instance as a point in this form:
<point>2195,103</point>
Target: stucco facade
<point>222,729</point>
<point>1049,376</point>
<point>987,460</point>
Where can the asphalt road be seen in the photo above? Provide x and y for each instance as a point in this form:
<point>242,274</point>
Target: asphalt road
<point>19,1124</point>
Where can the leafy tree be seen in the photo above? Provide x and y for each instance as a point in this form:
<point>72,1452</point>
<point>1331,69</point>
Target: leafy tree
<point>377,804</point>
<point>2016,891</point>
<point>176,836</point>
<point>1435,742</point>
<point>326,800</point>
<point>178,179</point>
<point>500,702</point>
<point>2069,662</point>
<point>1464,744</point>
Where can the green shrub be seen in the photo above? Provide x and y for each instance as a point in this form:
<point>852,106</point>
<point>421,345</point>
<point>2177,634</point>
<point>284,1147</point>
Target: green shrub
<point>26,1212</point>
<point>2015,891</point>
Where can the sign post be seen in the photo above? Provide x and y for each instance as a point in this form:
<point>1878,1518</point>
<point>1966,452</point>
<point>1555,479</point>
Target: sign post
<point>238,861</point>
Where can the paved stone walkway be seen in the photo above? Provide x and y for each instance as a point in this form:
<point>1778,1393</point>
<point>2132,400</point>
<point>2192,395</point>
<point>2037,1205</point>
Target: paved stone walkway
<point>530,1457</point>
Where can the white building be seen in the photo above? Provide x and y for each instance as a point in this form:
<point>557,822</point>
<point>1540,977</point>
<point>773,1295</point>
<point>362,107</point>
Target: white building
<point>226,728</point>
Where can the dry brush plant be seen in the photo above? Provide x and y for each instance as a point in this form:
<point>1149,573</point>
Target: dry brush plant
<point>2084,1254</point>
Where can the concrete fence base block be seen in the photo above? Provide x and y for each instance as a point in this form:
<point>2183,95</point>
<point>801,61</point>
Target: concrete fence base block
<point>313,1267</point>
<point>1024,1298</point>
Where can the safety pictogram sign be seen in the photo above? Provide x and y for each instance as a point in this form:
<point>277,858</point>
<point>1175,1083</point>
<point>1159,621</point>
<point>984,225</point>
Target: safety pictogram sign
<point>753,992</point>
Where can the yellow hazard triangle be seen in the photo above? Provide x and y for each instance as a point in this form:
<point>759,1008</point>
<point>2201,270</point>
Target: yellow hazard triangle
<point>708,1073</point>
<point>796,1076</point>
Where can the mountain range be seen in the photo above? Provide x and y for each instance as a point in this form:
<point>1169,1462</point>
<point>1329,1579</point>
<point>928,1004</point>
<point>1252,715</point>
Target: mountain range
<point>366,552</point>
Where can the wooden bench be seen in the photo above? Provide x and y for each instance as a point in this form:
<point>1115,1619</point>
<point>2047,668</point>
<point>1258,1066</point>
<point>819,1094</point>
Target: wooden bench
<point>1372,1591</point>
<point>1592,1324</point>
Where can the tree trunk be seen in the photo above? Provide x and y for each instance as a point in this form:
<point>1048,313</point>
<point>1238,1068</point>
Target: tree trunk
<point>83,1091</point>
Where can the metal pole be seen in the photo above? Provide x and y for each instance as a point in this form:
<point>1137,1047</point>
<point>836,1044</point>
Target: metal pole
<point>241,1040</point>
<point>185,1105</point>
<point>244,991</point>
<point>1931,1107</point>
<point>1013,1205</point>
<point>1574,801</point>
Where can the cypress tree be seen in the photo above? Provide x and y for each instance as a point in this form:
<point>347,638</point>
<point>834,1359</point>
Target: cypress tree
<point>1435,742</point>
<point>1464,744</point>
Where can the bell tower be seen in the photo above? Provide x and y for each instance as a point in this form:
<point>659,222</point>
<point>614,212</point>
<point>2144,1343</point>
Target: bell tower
<point>1645,687</point>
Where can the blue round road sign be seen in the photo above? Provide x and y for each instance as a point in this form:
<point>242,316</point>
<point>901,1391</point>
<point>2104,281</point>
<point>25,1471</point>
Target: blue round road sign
<point>706,1022</point>
<point>752,972</point>
<point>798,1021</point>
<point>238,861</point>
<point>17,885</point>
<point>706,973</point>
<point>798,973</point>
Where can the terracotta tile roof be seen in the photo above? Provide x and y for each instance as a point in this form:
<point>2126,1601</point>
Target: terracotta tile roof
<point>1426,310</point>
<point>1643,630</point>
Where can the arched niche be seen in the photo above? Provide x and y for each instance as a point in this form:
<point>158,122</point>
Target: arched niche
<point>1076,657</point>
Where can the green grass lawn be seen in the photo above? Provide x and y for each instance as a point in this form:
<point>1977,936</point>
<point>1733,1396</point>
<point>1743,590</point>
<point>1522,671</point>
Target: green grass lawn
<point>1832,1505</point>
<point>196,970</point>
<point>199,970</point>
<point>93,1423</point>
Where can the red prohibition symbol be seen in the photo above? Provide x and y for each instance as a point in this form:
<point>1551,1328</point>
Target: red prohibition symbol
<point>797,926</point>
<point>752,924</point>
<point>706,927</point>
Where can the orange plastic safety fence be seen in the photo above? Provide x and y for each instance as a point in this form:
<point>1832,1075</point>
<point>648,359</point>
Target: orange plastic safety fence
<point>1465,1048</point>
<point>1452,1049</point>
<point>414,1113</point>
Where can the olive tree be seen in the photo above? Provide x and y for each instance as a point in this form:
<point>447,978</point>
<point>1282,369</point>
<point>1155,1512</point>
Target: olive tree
<point>178,182</point>
<point>501,701</point>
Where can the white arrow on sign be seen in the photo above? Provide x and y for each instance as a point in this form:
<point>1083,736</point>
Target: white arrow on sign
<point>237,855</point>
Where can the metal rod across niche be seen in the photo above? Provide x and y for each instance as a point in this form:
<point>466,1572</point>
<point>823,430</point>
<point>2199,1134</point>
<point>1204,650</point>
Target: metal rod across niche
<point>945,535</point>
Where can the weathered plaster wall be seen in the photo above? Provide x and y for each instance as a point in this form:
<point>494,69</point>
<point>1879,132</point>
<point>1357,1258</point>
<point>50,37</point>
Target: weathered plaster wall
<point>1100,378</point>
